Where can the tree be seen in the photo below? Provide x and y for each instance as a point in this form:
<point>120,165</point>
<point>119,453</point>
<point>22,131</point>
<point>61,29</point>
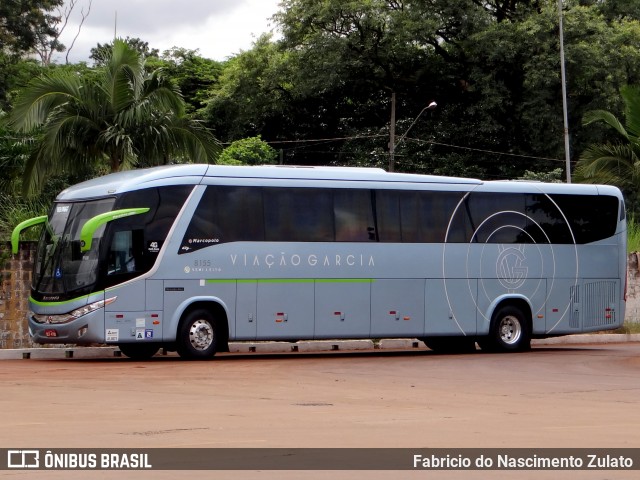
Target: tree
<point>615,163</point>
<point>14,152</point>
<point>49,43</point>
<point>554,176</point>
<point>23,22</point>
<point>493,67</point>
<point>248,151</point>
<point>101,53</point>
<point>253,94</point>
<point>193,74</point>
<point>118,115</point>
<point>14,75</point>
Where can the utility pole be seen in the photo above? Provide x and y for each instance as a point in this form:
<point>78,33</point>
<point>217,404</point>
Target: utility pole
<point>567,153</point>
<point>392,133</point>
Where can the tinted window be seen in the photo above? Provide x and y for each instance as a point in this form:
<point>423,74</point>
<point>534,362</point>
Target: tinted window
<point>133,242</point>
<point>434,214</point>
<point>165,203</point>
<point>387,205</point>
<point>298,215</point>
<point>497,218</point>
<point>591,217</point>
<point>230,214</point>
<point>546,222</point>
<point>534,218</point>
<point>353,215</point>
<point>225,214</point>
<point>411,217</point>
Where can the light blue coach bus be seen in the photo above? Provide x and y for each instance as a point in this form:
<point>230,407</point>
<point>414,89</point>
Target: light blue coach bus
<point>190,257</point>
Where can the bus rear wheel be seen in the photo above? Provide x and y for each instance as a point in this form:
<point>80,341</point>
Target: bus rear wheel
<point>509,331</point>
<point>139,351</point>
<point>197,335</point>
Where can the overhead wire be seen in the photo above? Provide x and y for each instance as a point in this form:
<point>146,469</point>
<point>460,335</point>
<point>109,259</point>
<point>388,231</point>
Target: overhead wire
<point>319,141</point>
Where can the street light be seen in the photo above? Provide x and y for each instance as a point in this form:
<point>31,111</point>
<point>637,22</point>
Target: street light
<point>392,130</point>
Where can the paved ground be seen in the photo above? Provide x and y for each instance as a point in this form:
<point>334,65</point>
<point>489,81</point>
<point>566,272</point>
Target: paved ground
<point>554,396</point>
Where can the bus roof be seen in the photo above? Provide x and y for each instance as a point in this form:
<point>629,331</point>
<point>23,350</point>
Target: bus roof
<point>194,174</point>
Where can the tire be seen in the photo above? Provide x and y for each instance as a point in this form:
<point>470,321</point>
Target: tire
<point>197,335</point>
<point>139,351</point>
<point>456,344</point>
<point>509,331</point>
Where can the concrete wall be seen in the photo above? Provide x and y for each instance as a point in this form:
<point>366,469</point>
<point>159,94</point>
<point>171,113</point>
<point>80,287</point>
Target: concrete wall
<point>16,282</point>
<point>633,288</point>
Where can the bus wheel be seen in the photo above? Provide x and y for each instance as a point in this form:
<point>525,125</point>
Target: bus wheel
<point>509,331</point>
<point>197,335</point>
<point>450,344</point>
<point>139,351</point>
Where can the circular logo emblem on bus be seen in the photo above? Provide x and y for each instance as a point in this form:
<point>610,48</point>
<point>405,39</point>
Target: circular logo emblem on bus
<point>511,271</point>
<point>187,269</point>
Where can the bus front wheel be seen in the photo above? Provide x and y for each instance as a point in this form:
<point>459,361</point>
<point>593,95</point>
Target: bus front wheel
<point>509,331</point>
<point>197,336</point>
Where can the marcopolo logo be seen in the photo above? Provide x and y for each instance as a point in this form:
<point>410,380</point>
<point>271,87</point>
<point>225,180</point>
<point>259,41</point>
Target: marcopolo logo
<point>23,458</point>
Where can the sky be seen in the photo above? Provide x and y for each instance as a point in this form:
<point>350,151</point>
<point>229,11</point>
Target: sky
<point>217,28</point>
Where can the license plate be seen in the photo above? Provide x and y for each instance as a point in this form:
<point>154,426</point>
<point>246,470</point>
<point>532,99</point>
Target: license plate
<point>50,333</point>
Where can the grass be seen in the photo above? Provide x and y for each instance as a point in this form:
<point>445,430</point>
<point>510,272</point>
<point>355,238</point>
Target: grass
<point>14,210</point>
<point>628,327</point>
<point>633,235</point>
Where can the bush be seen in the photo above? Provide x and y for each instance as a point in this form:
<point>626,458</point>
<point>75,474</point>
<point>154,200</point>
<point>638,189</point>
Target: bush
<point>14,210</point>
<point>248,151</point>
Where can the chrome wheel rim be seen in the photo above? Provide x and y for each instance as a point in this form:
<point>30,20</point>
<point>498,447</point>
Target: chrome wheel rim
<point>510,330</point>
<point>201,335</point>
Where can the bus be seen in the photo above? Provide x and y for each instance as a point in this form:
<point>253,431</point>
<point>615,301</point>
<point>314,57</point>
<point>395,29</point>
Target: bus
<point>190,257</point>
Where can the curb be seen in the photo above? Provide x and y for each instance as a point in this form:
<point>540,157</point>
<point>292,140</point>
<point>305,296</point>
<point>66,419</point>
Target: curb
<point>302,346</point>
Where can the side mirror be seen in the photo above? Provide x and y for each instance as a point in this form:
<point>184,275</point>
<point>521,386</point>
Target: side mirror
<point>15,235</point>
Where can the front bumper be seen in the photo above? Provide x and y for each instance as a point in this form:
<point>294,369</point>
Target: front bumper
<point>84,330</point>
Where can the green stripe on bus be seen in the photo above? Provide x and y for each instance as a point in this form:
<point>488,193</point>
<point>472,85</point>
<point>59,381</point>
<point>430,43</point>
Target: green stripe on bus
<point>291,280</point>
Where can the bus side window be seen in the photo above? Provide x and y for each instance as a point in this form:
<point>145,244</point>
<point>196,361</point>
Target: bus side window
<point>125,253</point>
<point>353,212</point>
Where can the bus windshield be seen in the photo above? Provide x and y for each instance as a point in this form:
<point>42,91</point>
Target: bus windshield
<point>60,267</point>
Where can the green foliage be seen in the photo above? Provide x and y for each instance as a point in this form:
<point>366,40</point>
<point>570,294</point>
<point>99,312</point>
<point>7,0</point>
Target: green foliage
<point>14,210</point>
<point>324,89</point>
<point>102,53</point>
<point>248,151</point>
<point>15,149</point>
<point>23,22</point>
<point>15,73</point>
<point>118,115</point>
<point>253,94</point>
<point>616,163</point>
<point>516,73</point>
<point>492,67</point>
<point>554,176</point>
<point>194,75</point>
<point>633,235</point>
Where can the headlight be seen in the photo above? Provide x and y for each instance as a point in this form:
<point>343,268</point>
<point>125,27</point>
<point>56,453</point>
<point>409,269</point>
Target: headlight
<point>77,313</point>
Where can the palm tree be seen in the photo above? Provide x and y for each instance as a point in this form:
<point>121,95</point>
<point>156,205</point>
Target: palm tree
<point>615,164</point>
<point>119,115</point>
